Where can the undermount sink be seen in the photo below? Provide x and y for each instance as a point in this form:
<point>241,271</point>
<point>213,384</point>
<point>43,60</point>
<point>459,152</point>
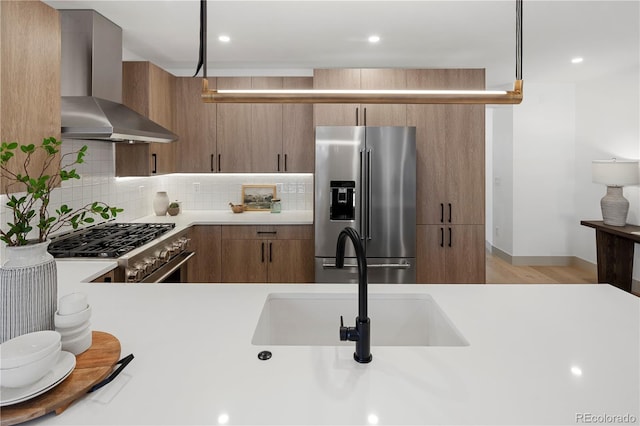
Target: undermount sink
<point>308,319</point>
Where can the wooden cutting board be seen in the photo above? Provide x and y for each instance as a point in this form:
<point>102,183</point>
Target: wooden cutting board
<point>92,366</point>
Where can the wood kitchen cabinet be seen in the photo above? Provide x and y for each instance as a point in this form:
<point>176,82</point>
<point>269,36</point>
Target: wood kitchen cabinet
<point>450,150</point>
<point>205,267</point>
<point>196,127</point>
<point>450,168</point>
<point>451,254</point>
<point>29,76</point>
<point>234,129</point>
<point>277,254</point>
<point>360,114</point>
<point>150,91</point>
<point>265,138</point>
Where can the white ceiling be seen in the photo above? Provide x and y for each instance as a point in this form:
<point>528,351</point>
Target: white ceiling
<point>293,37</point>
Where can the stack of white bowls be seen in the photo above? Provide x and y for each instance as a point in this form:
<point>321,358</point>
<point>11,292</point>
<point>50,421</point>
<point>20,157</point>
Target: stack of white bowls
<point>72,322</point>
<point>27,358</point>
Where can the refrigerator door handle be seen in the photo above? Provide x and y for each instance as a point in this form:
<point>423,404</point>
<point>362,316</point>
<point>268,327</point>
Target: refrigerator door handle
<point>362,198</point>
<point>404,265</point>
<point>369,175</point>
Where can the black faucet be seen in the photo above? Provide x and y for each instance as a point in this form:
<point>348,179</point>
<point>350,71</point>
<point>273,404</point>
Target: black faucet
<point>361,333</point>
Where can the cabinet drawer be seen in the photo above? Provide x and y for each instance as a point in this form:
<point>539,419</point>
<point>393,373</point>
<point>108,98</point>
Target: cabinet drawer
<point>270,232</point>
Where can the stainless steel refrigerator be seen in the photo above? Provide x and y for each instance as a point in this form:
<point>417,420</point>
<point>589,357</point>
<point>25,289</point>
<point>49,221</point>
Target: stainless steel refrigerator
<point>365,178</point>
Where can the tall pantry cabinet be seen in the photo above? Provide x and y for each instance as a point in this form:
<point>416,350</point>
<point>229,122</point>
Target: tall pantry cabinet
<point>29,75</point>
<point>450,180</point>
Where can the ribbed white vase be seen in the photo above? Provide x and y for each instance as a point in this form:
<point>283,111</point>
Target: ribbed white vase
<point>28,290</point>
<point>160,203</point>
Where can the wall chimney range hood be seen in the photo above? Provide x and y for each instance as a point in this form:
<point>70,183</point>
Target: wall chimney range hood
<point>91,84</point>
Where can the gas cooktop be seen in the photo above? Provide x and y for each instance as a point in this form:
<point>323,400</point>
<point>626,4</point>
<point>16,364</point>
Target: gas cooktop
<point>110,240</point>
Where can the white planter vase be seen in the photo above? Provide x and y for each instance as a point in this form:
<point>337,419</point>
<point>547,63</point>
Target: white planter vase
<point>160,203</point>
<point>28,290</point>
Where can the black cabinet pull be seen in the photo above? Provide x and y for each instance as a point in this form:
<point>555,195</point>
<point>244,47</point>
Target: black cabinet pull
<point>441,212</point>
<point>450,234</point>
<point>449,212</point>
<point>270,254</point>
<point>212,167</point>
<point>219,168</point>
<point>357,114</point>
<point>267,232</point>
<point>441,237</point>
<point>262,251</point>
<point>155,164</point>
<point>278,166</point>
<point>365,117</point>
<point>285,162</point>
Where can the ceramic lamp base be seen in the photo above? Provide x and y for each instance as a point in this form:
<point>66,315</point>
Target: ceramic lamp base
<point>614,207</point>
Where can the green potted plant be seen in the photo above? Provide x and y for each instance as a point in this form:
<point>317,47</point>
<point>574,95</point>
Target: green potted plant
<point>28,277</point>
<point>32,207</point>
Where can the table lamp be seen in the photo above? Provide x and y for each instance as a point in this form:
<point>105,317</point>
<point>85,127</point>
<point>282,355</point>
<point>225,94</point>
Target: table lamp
<point>615,174</point>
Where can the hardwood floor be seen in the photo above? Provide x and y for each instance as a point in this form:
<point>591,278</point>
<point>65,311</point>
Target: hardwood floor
<point>501,272</point>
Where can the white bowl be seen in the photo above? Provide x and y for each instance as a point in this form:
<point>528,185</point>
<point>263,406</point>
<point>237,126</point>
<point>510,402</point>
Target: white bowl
<point>72,303</point>
<point>29,373</point>
<point>78,344</point>
<point>71,332</point>
<point>72,320</point>
<point>28,348</point>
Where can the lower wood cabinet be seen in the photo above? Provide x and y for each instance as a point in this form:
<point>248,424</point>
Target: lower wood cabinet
<point>107,277</point>
<point>275,254</point>
<point>451,254</point>
<point>204,267</point>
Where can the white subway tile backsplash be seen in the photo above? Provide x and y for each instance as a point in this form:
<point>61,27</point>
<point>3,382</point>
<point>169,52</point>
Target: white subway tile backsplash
<point>135,195</point>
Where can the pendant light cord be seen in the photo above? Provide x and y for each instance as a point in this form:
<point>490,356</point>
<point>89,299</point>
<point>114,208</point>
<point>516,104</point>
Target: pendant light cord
<point>202,58</point>
<point>518,39</point>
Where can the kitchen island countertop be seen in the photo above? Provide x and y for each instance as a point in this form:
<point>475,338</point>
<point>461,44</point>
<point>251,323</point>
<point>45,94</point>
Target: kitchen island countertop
<point>537,354</point>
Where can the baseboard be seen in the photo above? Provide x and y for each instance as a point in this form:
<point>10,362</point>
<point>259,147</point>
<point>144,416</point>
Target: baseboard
<point>553,261</point>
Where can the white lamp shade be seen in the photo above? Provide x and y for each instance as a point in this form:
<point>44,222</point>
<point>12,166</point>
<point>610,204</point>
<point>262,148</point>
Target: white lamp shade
<point>616,172</point>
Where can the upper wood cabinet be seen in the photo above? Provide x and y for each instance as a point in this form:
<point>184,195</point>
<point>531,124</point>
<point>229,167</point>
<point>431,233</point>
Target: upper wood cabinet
<point>265,138</point>
<point>450,150</point>
<point>234,129</point>
<point>196,126</point>
<point>150,91</point>
<point>360,114</point>
<point>29,75</point>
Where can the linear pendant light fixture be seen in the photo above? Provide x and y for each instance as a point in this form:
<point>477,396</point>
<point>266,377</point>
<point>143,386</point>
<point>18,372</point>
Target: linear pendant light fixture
<point>312,96</point>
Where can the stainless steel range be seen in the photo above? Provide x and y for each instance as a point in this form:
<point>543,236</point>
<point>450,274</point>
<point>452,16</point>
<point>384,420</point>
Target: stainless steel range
<point>164,259</point>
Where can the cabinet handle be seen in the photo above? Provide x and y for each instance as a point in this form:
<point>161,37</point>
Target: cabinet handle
<point>219,168</point>
<point>212,167</point>
<point>270,254</point>
<point>441,212</point>
<point>262,252</point>
<point>267,232</point>
<point>365,116</point>
<point>278,166</point>
<point>357,114</point>
<point>155,164</point>
<point>285,162</point>
<point>450,234</point>
<point>441,237</point>
<point>449,212</point>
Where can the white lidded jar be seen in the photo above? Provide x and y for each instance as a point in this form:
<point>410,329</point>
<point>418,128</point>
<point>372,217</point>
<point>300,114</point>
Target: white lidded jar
<point>160,203</point>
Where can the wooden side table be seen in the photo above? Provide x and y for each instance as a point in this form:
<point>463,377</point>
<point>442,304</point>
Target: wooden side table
<point>614,246</point>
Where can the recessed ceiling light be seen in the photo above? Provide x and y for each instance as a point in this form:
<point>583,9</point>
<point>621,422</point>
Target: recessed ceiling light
<point>577,60</point>
<point>374,39</point>
<point>224,38</point>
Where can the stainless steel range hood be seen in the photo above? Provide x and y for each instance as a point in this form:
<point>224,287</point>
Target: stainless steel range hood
<point>91,84</point>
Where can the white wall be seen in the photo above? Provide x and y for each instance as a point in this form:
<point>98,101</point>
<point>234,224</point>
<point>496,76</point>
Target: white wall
<point>607,125</point>
<point>503,174</point>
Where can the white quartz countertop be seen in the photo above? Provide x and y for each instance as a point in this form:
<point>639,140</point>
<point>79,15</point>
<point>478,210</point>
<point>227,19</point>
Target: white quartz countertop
<point>537,354</point>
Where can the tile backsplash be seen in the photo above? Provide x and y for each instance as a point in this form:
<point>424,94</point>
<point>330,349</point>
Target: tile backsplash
<point>135,195</point>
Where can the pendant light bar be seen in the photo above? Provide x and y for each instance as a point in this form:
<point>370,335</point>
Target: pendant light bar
<point>362,96</point>
<point>366,96</point>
